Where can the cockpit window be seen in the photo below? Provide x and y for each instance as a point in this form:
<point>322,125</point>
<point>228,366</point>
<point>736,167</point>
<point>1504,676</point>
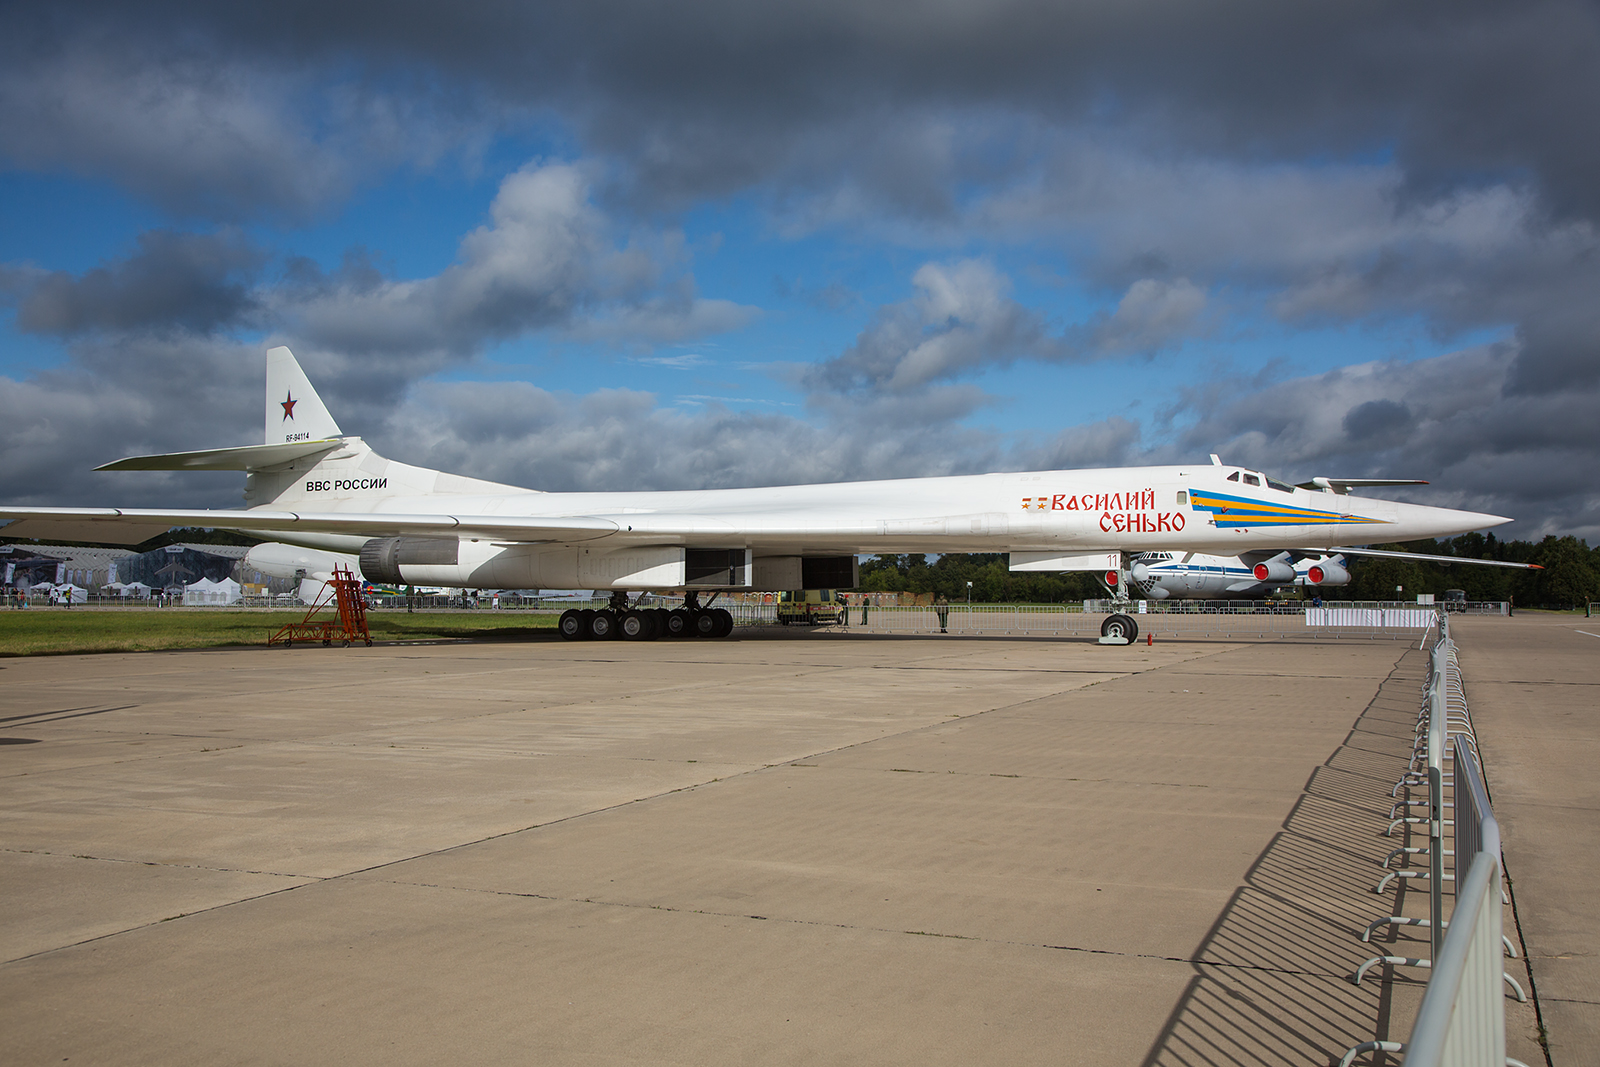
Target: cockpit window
<point>1280,486</point>
<point>1251,479</point>
<point>1233,477</point>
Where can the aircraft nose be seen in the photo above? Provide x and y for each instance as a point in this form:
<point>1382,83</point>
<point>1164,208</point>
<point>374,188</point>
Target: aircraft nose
<point>1452,520</point>
<point>1481,520</point>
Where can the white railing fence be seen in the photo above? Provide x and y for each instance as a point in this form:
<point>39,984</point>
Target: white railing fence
<point>1461,1022</point>
<point>1215,620</point>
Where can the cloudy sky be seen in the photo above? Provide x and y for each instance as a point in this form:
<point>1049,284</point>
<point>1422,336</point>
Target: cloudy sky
<point>624,244</point>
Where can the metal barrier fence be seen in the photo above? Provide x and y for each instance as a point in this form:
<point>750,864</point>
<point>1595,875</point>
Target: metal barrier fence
<point>1461,1022</point>
<point>1224,620</point>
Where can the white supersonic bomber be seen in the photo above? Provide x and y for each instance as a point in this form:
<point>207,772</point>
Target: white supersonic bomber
<point>311,486</point>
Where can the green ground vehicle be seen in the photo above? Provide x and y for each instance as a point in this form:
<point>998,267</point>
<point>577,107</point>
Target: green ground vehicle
<point>811,606</point>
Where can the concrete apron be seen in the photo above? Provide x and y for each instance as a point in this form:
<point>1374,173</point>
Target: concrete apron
<point>818,849</point>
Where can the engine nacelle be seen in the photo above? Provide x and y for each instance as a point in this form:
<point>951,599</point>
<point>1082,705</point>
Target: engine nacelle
<point>1274,572</point>
<point>386,559</point>
<point>1327,574</point>
<point>292,561</point>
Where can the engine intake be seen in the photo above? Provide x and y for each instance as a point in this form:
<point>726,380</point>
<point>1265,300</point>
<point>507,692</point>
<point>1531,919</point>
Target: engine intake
<point>1327,574</point>
<point>1274,571</point>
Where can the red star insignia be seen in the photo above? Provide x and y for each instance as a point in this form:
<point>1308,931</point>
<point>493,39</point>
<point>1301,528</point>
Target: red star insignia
<point>288,406</point>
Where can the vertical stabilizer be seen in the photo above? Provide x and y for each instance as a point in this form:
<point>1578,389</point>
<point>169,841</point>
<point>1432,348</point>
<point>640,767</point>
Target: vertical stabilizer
<point>294,410</point>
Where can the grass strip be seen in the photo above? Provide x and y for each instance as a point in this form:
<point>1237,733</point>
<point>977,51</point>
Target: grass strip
<point>57,631</point>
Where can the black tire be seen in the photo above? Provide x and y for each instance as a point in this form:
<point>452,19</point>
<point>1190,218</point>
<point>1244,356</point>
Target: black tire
<point>724,619</point>
<point>570,625</point>
<point>288,642</point>
<point>346,643</point>
<point>603,626</point>
<point>638,626</point>
<point>783,620</point>
<point>706,624</point>
<point>678,624</point>
<point>838,620</point>
<point>1120,626</point>
<point>369,642</point>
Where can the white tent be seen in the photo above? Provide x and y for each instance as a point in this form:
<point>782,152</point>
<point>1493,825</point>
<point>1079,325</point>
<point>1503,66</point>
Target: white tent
<point>207,592</point>
<point>137,590</point>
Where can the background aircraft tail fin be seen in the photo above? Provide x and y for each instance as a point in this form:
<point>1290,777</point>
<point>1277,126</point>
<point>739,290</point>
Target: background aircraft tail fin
<point>294,410</point>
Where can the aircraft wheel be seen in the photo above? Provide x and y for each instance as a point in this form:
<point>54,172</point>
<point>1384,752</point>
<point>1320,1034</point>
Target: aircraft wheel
<point>706,624</point>
<point>1120,626</point>
<point>678,624</point>
<point>571,624</point>
<point>637,626</point>
<point>603,626</point>
<point>724,622</point>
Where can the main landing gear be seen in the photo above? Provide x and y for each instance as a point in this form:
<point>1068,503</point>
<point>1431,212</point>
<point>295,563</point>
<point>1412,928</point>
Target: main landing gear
<point>619,620</point>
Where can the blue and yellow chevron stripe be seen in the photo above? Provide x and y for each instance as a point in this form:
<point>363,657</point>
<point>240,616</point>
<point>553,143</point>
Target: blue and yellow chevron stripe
<point>1234,511</point>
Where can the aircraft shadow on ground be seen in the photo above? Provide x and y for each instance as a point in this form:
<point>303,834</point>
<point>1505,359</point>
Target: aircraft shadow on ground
<point>1272,977</point>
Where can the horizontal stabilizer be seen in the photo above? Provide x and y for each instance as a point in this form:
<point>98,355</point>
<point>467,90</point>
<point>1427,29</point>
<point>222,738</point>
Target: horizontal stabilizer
<point>245,458</point>
<point>1417,557</point>
<point>1344,485</point>
<point>80,531</point>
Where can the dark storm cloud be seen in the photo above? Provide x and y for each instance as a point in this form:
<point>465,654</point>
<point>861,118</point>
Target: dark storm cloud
<point>194,282</point>
<point>714,96</point>
<point>1377,422</point>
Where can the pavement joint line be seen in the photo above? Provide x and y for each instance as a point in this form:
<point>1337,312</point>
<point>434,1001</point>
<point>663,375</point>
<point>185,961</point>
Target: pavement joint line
<point>1585,633</point>
<point>674,910</point>
<point>157,922</point>
<point>59,711</point>
<point>1048,778</point>
<point>994,670</point>
<point>155,863</point>
<point>35,721</point>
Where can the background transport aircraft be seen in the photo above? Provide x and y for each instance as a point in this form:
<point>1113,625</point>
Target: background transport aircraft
<point>1197,576</point>
<point>311,486</point>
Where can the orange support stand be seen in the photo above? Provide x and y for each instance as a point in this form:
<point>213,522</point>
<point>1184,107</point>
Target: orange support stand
<point>351,624</point>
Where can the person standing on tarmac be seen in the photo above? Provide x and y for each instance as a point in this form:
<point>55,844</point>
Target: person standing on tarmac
<point>942,608</point>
